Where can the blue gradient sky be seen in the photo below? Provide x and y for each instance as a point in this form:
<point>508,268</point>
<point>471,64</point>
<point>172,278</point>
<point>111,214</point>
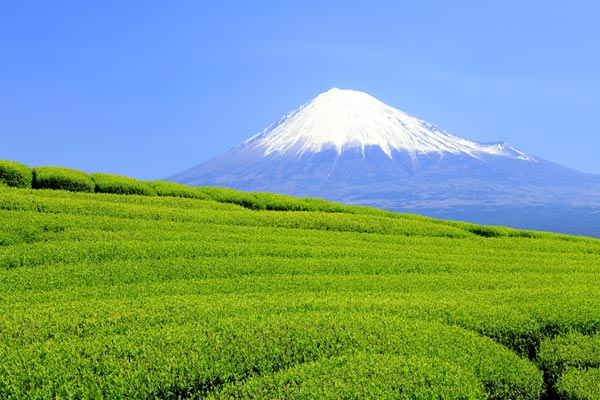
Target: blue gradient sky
<point>147,89</point>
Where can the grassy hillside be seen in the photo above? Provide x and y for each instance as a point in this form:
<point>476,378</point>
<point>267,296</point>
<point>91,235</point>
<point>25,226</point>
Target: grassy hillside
<point>221,294</point>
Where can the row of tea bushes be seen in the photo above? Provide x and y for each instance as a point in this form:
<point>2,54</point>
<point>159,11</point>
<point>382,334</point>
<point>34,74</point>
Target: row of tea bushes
<point>14,174</point>
<point>572,365</point>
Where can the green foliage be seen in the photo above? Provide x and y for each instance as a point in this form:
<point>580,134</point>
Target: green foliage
<point>259,295</point>
<point>566,359</point>
<point>15,174</point>
<point>279,202</point>
<point>225,195</point>
<point>178,190</point>
<point>60,178</point>
<point>579,384</point>
<point>363,376</point>
<point>117,184</point>
<point>485,231</point>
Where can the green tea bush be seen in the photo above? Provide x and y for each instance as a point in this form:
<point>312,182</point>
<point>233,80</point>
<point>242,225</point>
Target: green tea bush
<point>117,184</point>
<point>573,350</point>
<point>15,174</point>
<point>244,199</point>
<point>280,202</point>
<point>363,376</point>
<point>485,231</point>
<point>328,206</point>
<point>579,384</point>
<point>173,189</point>
<point>61,178</point>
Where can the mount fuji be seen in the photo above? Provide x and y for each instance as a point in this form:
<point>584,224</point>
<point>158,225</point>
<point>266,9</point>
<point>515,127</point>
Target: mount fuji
<point>349,147</point>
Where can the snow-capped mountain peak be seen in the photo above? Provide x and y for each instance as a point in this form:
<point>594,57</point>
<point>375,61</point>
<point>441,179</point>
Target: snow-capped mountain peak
<point>348,119</point>
<point>348,147</point>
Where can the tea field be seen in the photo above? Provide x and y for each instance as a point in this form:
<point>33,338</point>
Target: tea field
<point>180,293</point>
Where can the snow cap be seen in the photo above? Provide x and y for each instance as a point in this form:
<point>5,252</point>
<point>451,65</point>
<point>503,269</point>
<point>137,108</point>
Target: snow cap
<point>348,119</point>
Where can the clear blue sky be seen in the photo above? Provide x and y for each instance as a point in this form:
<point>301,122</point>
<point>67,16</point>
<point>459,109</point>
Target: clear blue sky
<point>149,88</point>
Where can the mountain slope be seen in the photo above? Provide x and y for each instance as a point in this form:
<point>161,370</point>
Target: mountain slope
<point>347,146</point>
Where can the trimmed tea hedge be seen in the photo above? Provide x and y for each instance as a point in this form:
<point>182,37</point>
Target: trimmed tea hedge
<point>226,195</point>
<point>178,190</point>
<point>15,174</point>
<point>61,178</point>
<point>579,384</point>
<point>110,183</point>
<point>574,350</point>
